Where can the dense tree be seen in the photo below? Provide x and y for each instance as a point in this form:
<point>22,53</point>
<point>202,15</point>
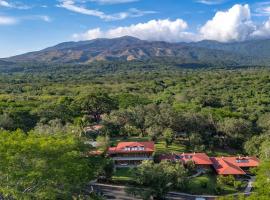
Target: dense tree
<point>252,146</point>
<point>262,185</point>
<point>108,169</point>
<point>206,109</point>
<point>126,100</point>
<point>168,135</point>
<point>158,179</point>
<point>235,131</point>
<point>6,122</point>
<point>41,166</point>
<point>62,109</point>
<point>264,121</point>
<point>103,142</point>
<point>96,104</point>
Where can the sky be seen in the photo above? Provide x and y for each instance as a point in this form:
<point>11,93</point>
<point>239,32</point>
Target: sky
<point>30,25</point>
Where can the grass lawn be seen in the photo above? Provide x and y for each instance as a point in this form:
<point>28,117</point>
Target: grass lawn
<point>122,175</point>
<point>174,148</point>
<point>204,184</point>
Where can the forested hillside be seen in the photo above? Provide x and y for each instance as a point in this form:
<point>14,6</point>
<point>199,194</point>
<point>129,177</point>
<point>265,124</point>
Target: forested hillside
<point>247,53</point>
<point>43,110</point>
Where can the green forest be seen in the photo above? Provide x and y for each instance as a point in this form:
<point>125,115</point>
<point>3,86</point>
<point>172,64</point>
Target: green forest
<point>45,108</point>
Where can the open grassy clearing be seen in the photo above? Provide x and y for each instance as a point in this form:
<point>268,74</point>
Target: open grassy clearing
<point>161,148</point>
<point>204,184</point>
<point>122,175</point>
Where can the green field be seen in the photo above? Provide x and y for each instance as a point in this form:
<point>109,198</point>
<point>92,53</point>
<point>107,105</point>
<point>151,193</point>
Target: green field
<point>122,175</point>
<point>202,185</point>
<point>174,148</point>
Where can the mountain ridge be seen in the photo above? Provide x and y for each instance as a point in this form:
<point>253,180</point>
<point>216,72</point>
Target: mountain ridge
<point>129,48</point>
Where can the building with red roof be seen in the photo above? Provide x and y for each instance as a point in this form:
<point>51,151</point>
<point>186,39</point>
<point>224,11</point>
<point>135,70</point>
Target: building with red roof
<point>234,165</point>
<point>222,165</point>
<point>199,159</point>
<point>128,154</point>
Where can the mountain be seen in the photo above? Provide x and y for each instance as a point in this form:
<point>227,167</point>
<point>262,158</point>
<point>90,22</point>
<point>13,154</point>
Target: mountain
<point>254,48</point>
<point>5,63</point>
<point>129,48</point>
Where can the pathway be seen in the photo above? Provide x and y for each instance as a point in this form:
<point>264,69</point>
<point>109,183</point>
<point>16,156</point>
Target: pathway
<point>250,184</point>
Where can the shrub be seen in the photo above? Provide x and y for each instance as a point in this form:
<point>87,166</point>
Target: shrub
<point>237,184</point>
<point>226,180</point>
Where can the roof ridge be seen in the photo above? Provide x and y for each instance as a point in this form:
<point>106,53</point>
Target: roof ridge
<point>229,164</point>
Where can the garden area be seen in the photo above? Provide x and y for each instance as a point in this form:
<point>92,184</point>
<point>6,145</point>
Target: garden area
<point>205,184</point>
<point>211,184</point>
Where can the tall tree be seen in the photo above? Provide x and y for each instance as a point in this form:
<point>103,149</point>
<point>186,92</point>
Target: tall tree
<point>96,104</point>
<point>168,135</point>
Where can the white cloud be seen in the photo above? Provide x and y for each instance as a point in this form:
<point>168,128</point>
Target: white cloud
<point>113,1</point>
<point>17,5</point>
<point>5,4</point>
<point>7,20</point>
<point>262,9</point>
<point>232,25</point>
<point>44,18</point>
<point>154,30</point>
<point>211,2</point>
<point>235,24</point>
<point>262,31</point>
<point>70,5</point>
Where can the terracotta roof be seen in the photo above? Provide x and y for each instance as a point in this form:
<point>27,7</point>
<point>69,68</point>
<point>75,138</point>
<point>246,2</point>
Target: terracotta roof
<point>232,165</point>
<point>243,161</point>
<point>128,147</point>
<point>95,153</point>
<point>197,158</point>
<point>93,128</point>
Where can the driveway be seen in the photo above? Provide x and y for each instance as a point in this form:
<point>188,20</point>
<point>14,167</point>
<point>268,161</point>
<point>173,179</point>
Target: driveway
<point>113,192</point>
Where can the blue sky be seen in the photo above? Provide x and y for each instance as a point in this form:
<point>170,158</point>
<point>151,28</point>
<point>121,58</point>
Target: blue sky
<point>28,25</point>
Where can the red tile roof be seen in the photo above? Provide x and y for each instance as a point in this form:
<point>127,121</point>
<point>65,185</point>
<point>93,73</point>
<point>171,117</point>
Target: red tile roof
<point>93,128</point>
<point>95,153</point>
<point>232,165</point>
<point>131,147</point>
<point>197,158</point>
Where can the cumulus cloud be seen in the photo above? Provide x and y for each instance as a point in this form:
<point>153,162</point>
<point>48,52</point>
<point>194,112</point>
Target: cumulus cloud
<point>232,25</point>
<point>262,31</point>
<point>4,20</point>
<point>72,6</point>
<point>154,30</point>
<point>235,24</point>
